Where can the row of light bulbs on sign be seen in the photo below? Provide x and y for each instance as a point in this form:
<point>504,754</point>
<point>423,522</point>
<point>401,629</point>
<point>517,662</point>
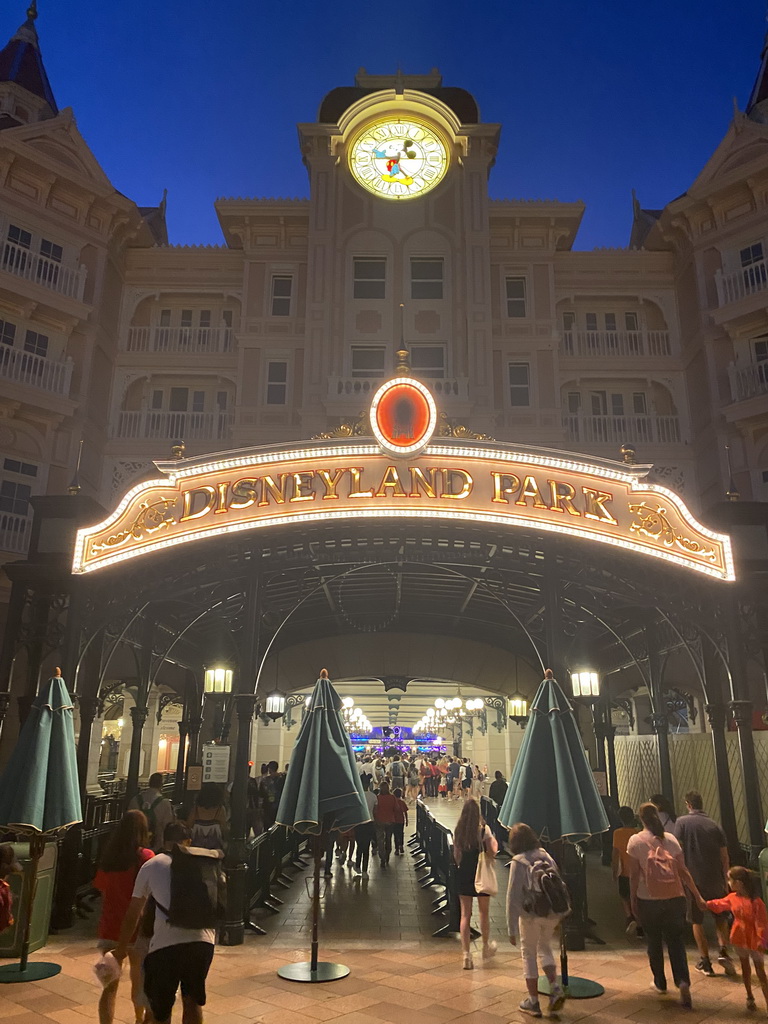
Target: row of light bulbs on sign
<point>447,712</point>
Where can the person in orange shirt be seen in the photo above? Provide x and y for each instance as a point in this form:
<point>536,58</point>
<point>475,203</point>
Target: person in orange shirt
<point>620,862</point>
<point>401,820</point>
<point>749,932</point>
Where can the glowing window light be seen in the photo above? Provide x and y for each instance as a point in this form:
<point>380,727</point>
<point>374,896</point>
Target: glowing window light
<point>585,684</point>
<point>217,680</point>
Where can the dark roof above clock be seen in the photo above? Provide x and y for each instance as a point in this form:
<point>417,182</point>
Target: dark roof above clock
<point>760,88</point>
<point>461,102</point>
<point>21,62</point>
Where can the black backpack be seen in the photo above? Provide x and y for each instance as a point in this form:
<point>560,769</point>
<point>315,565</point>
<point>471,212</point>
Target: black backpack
<point>198,888</point>
<point>545,892</point>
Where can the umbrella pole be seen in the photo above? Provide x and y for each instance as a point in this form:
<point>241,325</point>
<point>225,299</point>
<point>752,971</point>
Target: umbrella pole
<point>318,851</point>
<point>24,971</point>
<point>315,970</point>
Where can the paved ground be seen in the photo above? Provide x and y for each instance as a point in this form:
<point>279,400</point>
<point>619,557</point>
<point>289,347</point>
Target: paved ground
<point>382,929</point>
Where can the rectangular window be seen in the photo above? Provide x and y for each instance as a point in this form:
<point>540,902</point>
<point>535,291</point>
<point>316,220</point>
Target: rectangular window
<point>569,321</point>
<point>426,278</point>
<point>205,318</point>
<point>640,403</point>
<point>19,237</point>
<point>14,497</point>
<point>36,343</point>
<point>516,297</point>
<point>186,318</point>
<point>157,399</point>
<point>165,318</point>
<point>751,254</point>
<point>519,384</point>
<point>370,277</point>
<point>198,401</point>
<point>222,400</point>
<point>226,317</point>
<point>590,321</point>
<point>617,405</point>
<point>631,322</point>
<point>599,403</point>
<point>51,251</point>
<point>610,322</point>
<point>368,361</point>
<point>24,468</point>
<point>761,350</point>
<point>178,400</point>
<point>7,332</point>
<point>428,360</point>
<point>574,402</point>
<point>277,382</point>
<point>282,287</point>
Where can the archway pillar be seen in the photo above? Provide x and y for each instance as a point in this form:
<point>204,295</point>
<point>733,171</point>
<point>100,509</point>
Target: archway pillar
<point>659,721</point>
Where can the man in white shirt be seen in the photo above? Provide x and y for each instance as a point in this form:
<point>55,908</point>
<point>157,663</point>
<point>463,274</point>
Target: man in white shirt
<point>157,809</point>
<point>177,956</point>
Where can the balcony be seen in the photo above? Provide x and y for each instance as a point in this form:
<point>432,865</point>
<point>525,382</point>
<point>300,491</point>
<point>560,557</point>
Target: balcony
<point>179,339</point>
<point>148,424</point>
<point>31,266</point>
<point>14,532</point>
<point>617,430</point>
<point>740,284</point>
<point>36,371</point>
<point>446,388</point>
<point>586,344</point>
<point>749,381</point>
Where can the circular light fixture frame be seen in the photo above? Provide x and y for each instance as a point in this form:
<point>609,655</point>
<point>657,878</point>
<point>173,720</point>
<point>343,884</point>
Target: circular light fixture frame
<point>426,435</point>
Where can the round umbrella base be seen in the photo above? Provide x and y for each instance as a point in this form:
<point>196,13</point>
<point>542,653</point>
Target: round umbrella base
<point>304,972</point>
<point>577,988</point>
<point>11,975</point>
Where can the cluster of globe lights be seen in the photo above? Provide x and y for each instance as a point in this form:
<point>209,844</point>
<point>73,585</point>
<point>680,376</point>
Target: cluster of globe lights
<point>447,712</point>
<point>354,718</point>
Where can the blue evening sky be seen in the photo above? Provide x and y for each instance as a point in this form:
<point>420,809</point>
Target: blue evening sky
<point>595,96</point>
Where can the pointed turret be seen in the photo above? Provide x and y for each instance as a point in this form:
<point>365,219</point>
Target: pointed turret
<point>757,108</point>
<point>25,92</point>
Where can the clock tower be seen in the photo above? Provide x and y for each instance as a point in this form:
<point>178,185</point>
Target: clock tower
<point>398,241</point>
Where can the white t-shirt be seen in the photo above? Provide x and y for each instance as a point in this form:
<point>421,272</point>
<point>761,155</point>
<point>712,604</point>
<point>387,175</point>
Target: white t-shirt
<point>157,883</point>
<point>370,799</point>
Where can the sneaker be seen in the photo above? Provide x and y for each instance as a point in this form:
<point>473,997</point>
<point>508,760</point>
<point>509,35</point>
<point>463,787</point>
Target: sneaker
<point>489,949</point>
<point>704,967</point>
<point>662,990</point>
<point>685,995</point>
<point>355,869</point>
<point>556,998</point>
<point>365,874</point>
<point>751,1003</point>
<point>328,874</point>
<point>631,929</point>
<point>468,962</point>
<point>531,1007</point>
<point>726,963</point>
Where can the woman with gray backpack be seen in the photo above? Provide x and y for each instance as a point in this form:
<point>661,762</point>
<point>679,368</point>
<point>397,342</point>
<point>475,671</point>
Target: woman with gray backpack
<point>537,901</point>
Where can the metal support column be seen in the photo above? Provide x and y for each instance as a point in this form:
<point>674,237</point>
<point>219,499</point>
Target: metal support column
<point>9,645</point>
<point>140,712</point>
<point>178,786</point>
<point>659,720</point>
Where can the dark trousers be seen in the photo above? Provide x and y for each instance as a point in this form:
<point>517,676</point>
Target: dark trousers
<point>664,921</point>
<point>366,837</point>
<point>397,832</point>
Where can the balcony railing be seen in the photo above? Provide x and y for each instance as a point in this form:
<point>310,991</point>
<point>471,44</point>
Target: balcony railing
<point>14,532</point>
<point>59,277</point>
<point>748,381</point>
<point>179,339</point>
<point>615,343</point>
<point>362,387</point>
<point>173,426</point>
<point>618,429</point>
<point>37,371</point>
<point>739,284</point>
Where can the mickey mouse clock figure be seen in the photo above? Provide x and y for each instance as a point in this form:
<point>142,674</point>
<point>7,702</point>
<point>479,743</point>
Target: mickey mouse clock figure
<point>398,159</point>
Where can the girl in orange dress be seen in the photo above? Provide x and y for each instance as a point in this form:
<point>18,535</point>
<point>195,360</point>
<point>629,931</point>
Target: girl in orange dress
<point>749,932</point>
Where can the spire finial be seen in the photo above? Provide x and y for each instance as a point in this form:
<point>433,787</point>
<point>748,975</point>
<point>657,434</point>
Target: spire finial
<point>403,367</point>
<point>32,11</point>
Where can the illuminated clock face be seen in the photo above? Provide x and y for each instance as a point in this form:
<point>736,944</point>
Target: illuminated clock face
<point>398,159</point>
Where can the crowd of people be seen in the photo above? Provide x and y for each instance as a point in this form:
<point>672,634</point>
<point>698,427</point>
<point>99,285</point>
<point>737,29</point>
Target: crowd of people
<point>670,870</point>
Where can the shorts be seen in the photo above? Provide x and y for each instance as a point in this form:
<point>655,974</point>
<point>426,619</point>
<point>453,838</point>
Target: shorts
<point>695,914</point>
<point>624,891</point>
<point>165,969</point>
<point>466,784</point>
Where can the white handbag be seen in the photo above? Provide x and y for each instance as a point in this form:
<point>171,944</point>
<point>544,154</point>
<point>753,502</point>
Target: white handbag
<point>486,883</point>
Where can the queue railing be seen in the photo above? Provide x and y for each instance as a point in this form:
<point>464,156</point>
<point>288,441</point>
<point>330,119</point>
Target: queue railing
<point>269,855</point>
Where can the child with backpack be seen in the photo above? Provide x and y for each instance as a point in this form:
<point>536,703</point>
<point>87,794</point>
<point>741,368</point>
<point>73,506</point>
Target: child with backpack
<point>658,879</point>
<point>749,931</point>
<point>537,901</point>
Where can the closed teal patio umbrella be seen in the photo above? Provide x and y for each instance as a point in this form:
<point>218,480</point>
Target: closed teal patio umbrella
<point>552,790</point>
<point>322,793</point>
<point>40,798</point>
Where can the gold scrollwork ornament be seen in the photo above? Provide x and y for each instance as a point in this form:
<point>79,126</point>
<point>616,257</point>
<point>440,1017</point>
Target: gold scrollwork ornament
<point>654,523</point>
<point>151,517</point>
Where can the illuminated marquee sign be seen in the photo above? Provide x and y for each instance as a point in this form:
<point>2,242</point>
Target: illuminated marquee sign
<point>210,496</point>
